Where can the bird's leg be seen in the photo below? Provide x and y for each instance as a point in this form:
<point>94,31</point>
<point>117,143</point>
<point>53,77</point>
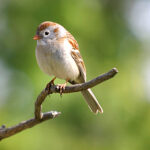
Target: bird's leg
<point>52,81</point>
<point>48,86</point>
<point>62,87</point>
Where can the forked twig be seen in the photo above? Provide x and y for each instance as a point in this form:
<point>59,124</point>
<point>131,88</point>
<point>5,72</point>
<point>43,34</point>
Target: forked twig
<point>39,116</point>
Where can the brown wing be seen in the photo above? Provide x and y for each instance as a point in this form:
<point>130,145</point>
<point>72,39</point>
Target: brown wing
<point>75,53</point>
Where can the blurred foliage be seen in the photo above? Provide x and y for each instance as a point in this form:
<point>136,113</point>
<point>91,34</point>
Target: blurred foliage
<point>105,41</point>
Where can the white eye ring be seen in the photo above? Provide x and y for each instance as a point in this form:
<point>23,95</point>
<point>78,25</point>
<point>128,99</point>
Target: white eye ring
<point>46,33</point>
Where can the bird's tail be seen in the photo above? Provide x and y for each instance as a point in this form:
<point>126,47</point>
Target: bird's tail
<point>92,101</point>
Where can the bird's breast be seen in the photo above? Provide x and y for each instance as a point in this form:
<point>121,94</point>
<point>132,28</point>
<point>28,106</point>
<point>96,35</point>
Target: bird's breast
<point>55,59</point>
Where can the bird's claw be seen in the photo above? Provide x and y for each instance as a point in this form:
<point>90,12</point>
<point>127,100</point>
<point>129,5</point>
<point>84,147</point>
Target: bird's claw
<point>48,86</point>
<point>61,88</point>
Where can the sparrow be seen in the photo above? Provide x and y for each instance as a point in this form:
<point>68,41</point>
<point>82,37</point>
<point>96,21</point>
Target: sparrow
<point>58,55</point>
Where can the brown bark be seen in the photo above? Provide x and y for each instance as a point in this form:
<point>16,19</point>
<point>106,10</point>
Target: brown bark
<point>39,116</point>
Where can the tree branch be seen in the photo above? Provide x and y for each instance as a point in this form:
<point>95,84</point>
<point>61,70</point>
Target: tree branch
<point>39,116</point>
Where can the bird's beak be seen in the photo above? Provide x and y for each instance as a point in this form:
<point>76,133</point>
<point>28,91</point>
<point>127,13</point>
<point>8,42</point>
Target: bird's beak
<point>36,37</point>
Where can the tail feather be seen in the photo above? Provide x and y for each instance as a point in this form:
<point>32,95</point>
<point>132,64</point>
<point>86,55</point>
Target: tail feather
<point>92,101</point>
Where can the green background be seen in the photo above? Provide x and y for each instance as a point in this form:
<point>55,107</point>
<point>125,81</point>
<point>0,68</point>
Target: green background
<point>107,36</point>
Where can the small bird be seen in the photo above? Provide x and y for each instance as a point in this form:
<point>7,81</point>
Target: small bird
<point>58,55</point>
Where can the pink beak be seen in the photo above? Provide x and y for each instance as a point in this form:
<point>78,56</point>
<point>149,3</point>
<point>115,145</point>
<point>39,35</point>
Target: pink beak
<point>36,37</point>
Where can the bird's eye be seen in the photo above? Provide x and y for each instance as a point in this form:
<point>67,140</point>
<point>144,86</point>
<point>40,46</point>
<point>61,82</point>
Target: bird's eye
<point>46,33</point>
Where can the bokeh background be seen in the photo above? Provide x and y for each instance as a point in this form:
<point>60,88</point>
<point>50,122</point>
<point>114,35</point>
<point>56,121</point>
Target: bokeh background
<point>110,33</point>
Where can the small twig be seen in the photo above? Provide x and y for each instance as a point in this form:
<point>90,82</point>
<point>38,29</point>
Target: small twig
<point>6,132</point>
<point>39,116</point>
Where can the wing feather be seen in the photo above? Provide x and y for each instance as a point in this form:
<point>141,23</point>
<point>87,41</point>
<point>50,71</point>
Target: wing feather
<point>75,53</point>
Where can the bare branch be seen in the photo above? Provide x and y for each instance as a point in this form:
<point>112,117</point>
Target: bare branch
<point>6,132</point>
<point>86,85</point>
<point>39,116</point>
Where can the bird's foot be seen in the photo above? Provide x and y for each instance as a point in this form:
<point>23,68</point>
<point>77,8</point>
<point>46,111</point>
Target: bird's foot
<point>48,86</point>
<point>61,88</point>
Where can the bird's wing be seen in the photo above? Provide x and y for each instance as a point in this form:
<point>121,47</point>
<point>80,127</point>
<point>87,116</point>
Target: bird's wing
<point>75,53</point>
